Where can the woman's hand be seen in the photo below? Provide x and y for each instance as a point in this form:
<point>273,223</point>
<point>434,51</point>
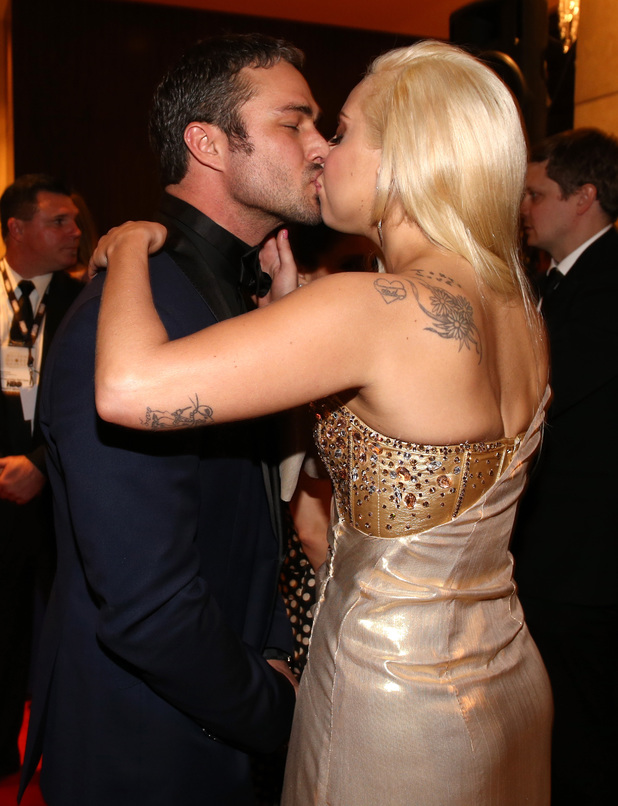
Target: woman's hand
<point>276,259</point>
<point>145,235</point>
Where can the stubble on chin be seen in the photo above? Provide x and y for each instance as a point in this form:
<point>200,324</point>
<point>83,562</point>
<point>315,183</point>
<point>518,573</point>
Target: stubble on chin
<point>312,216</point>
<point>309,213</point>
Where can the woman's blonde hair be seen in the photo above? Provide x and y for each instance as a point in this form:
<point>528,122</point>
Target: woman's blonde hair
<point>453,156</point>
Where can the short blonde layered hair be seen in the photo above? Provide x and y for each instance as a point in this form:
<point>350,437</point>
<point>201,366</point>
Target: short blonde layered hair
<point>453,156</point>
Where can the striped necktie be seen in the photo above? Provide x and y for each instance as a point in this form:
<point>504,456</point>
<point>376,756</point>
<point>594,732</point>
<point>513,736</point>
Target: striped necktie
<point>23,318</point>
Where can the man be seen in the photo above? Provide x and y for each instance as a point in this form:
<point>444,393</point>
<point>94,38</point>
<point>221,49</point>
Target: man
<point>154,684</point>
<point>41,238</point>
<point>565,543</point>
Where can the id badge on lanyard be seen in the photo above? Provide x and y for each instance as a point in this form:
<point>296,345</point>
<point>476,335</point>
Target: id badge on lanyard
<point>17,370</point>
<point>17,376</point>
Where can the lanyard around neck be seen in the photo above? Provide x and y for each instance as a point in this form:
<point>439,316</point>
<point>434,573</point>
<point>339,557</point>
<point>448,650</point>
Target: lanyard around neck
<point>14,303</point>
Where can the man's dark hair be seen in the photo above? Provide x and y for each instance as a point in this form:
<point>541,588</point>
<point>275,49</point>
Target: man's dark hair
<point>206,86</point>
<point>580,157</point>
<point>19,200</point>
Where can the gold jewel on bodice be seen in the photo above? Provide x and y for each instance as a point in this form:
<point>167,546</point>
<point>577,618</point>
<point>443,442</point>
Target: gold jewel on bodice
<point>388,488</point>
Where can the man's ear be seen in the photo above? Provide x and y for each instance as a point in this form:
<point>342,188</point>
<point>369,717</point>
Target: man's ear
<point>16,228</point>
<point>586,197</point>
<point>207,144</point>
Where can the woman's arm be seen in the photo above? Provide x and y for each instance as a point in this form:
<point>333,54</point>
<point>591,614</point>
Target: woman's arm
<point>310,508</point>
<point>306,345</point>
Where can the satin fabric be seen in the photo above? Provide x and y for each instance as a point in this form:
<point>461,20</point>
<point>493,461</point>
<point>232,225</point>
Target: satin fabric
<point>423,685</point>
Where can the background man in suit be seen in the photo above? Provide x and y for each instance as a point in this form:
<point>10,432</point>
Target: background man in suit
<point>154,673</point>
<point>42,238</point>
<point>566,540</point>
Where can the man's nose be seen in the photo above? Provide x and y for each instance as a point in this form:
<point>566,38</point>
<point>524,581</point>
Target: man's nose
<point>319,148</point>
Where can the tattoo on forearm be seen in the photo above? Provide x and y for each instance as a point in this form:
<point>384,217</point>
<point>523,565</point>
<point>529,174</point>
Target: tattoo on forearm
<point>451,314</point>
<point>193,415</point>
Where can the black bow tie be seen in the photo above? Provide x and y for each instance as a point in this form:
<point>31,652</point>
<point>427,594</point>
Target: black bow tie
<point>252,278</point>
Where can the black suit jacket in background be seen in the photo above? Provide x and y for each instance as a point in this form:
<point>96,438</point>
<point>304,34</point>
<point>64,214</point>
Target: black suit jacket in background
<point>566,540</point>
<point>25,528</point>
<point>26,537</point>
<point>151,672</point>
<point>17,436</point>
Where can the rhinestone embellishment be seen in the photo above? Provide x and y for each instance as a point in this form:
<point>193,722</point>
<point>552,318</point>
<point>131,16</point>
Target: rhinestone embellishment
<point>390,488</point>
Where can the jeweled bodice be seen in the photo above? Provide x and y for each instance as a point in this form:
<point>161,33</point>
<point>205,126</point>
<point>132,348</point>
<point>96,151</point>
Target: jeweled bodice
<point>388,488</point>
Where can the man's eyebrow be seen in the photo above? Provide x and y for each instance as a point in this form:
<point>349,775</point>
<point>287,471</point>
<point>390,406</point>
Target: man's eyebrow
<point>303,109</point>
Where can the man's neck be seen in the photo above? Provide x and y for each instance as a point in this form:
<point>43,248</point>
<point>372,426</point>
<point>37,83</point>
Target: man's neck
<point>23,267</point>
<point>568,260</point>
<point>252,228</point>
<point>584,229</point>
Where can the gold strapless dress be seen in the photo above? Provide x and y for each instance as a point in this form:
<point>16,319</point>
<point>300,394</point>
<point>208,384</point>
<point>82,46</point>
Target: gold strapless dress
<point>423,685</point>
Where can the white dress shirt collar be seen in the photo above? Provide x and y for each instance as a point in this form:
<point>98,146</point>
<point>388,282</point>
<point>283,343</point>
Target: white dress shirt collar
<point>40,283</point>
<point>569,261</point>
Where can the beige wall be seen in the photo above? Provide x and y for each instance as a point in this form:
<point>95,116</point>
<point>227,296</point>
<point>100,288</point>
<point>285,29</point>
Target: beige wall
<point>596,74</point>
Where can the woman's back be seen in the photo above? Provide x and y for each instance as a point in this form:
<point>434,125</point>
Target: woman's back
<point>449,361</point>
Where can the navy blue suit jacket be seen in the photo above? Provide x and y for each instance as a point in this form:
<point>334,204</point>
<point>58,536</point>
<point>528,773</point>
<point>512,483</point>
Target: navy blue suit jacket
<point>151,682</point>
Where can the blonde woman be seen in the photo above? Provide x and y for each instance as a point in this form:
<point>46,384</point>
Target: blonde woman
<point>423,685</point>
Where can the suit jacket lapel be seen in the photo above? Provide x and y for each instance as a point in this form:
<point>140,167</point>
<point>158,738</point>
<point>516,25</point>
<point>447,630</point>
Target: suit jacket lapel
<point>595,258</point>
<point>207,254</point>
<point>199,273</point>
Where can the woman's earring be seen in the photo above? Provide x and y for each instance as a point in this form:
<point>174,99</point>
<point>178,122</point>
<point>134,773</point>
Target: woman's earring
<point>380,232</point>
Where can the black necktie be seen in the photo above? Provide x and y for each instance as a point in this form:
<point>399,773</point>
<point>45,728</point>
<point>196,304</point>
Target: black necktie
<point>552,281</point>
<point>23,318</point>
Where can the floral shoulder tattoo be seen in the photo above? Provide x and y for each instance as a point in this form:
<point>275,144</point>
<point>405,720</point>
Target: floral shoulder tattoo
<point>450,313</point>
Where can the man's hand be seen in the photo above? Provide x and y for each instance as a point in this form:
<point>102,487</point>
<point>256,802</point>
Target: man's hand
<point>282,667</point>
<point>20,480</point>
<point>276,259</point>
